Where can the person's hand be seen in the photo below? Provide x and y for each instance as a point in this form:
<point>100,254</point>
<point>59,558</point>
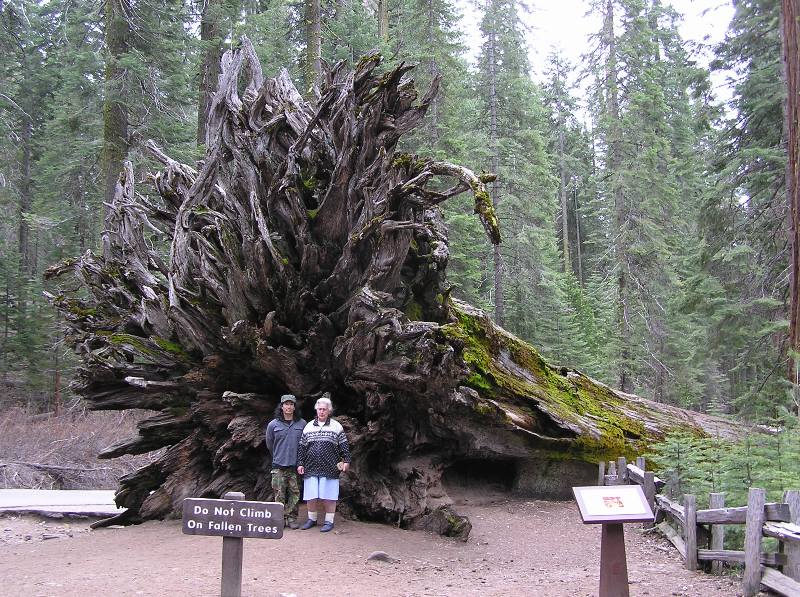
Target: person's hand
<point>301,470</point>
<point>345,467</point>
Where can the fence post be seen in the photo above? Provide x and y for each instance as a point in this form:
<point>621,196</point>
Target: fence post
<point>601,473</point>
<point>690,530</point>
<point>754,527</point>
<point>792,568</point>
<point>622,471</point>
<point>612,471</point>
<point>717,500</point>
<point>640,462</point>
<point>650,493</point>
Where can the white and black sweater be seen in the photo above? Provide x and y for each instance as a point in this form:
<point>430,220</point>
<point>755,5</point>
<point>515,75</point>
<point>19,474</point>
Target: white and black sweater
<point>322,447</point>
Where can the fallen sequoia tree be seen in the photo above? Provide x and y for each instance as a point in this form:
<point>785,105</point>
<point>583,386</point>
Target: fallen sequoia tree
<point>308,255</point>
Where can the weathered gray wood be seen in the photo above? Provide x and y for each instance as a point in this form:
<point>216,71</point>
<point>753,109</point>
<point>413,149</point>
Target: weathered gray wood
<point>785,531</point>
<point>674,537</point>
<point>780,583</point>
<point>792,550</point>
<point>636,474</point>
<point>754,524</point>
<point>717,501</point>
<point>612,472</point>
<point>610,480</point>
<point>622,471</point>
<point>672,508</point>
<point>777,512</point>
<point>768,558</point>
<point>601,473</point>
<point>232,555</point>
<point>640,463</point>
<point>690,530</point>
<point>649,488</point>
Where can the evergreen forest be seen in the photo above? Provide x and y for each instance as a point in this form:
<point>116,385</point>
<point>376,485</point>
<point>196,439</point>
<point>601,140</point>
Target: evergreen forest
<point>645,219</point>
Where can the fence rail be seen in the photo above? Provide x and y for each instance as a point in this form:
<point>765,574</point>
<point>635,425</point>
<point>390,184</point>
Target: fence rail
<point>695,527</point>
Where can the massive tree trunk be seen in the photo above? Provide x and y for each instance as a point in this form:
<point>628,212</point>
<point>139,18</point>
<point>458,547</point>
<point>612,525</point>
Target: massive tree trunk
<point>790,27</point>
<point>307,255</point>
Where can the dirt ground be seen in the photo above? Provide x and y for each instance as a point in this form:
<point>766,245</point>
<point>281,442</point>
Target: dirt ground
<point>517,547</point>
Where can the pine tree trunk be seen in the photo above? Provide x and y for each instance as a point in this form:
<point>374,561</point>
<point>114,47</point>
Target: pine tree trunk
<point>790,21</point>
<point>115,109</point>
<point>578,251</point>
<point>499,304</point>
<point>618,193</point>
<point>562,191</point>
<point>383,19</point>
<point>309,255</point>
<point>313,42</point>
<point>435,73</point>
<point>210,67</point>
<point>25,200</point>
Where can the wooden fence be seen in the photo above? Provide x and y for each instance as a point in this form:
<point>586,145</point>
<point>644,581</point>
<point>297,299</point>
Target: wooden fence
<point>705,527</point>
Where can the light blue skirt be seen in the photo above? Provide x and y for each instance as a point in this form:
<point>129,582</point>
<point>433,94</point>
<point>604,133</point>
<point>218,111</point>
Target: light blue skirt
<point>320,488</point>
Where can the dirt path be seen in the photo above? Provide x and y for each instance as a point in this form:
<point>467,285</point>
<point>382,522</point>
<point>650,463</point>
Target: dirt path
<point>517,547</point>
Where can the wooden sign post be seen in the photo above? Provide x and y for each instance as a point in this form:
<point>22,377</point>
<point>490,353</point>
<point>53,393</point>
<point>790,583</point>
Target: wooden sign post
<point>612,506</point>
<point>233,519</point>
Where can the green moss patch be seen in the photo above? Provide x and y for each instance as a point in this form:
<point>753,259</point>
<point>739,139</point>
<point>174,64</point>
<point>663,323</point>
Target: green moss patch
<point>152,348</point>
<point>594,422</point>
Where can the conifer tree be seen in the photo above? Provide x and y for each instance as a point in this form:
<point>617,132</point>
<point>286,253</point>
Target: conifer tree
<point>648,135</point>
<point>740,288</point>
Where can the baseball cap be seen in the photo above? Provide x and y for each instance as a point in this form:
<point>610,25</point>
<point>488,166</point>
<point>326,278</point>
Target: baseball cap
<point>288,398</point>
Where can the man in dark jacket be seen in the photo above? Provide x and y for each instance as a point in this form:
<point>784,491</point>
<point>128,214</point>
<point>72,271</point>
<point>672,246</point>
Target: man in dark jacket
<point>283,437</point>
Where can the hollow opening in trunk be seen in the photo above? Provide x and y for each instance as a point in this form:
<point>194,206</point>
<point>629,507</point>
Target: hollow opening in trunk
<point>480,475</point>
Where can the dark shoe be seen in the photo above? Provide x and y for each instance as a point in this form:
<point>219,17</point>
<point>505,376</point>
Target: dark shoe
<point>328,526</point>
<point>308,524</point>
<point>292,524</point>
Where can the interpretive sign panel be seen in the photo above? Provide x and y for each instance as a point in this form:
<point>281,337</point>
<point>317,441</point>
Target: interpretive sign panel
<point>233,518</point>
<point>613,503</point>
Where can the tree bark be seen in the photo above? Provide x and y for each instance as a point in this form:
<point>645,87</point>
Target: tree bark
<point>790,27</point>
<point>499,304</point>
<point>383,19</point>
<point>308,255</point>
<point>115,109</point>
<point>614,168</point>
<point>210,67</point>
<point>578,232</point>
<point>25,201</point>
<point>562,191</point>
<point>313,42</point>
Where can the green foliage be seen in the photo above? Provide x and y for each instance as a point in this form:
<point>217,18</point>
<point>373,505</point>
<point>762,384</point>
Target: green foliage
<point>739,285</point>
<point>767,459</point>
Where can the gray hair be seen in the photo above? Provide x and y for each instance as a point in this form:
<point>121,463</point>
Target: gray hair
<point>324,401</point>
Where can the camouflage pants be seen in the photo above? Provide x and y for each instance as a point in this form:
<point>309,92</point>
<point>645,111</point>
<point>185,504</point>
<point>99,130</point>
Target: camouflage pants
<point>286,490</point>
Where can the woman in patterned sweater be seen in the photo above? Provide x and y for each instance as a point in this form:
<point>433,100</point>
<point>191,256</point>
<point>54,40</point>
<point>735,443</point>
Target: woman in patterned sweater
<point>322,456</point>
